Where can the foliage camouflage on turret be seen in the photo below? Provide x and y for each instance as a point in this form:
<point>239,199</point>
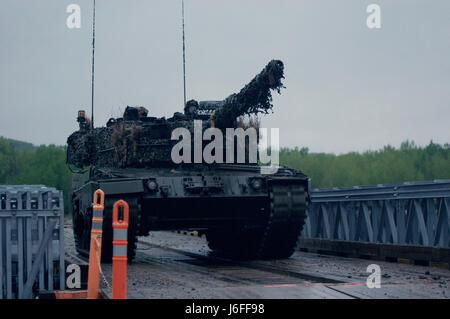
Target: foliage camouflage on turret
<point>140,141</point>
<point>254,98</point>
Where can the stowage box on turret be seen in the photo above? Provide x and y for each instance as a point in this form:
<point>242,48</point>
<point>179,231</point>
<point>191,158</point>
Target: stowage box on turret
<point>243,212</point>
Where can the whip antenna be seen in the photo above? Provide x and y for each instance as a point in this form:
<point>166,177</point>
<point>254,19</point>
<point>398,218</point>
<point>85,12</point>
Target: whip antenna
<point>92,72</point>
<point>184,53</point>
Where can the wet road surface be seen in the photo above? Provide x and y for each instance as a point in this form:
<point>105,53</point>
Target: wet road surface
<point>171,265</point>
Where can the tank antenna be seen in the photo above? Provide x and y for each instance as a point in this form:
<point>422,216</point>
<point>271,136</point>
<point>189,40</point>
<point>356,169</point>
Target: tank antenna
<point>92,72</point>
<point>184,53</point>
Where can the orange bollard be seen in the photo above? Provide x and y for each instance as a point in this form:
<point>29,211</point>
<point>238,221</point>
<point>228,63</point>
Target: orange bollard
<point>120,243</point>
<point>96,244</point>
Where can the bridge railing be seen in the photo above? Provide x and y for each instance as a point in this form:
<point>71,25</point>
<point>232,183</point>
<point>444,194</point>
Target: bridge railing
<point>31,240</point>
<point>416,213</point>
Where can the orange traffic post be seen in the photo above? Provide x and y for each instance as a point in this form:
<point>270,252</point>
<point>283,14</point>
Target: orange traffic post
<point>96,244</point>
<point>120,243</point>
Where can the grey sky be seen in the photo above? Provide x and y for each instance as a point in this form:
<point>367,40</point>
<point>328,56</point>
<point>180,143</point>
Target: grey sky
<point>349,88</point>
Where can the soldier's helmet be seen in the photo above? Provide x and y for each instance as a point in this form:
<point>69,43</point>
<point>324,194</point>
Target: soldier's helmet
<point>135,113</point>
<point>191,107</point>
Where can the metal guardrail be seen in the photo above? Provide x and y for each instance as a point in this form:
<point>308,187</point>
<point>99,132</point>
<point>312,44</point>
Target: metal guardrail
<point>31,240</point>
<point>416,213</point>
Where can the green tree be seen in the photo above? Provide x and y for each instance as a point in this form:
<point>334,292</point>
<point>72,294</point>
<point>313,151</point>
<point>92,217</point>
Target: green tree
<point>8,164</point>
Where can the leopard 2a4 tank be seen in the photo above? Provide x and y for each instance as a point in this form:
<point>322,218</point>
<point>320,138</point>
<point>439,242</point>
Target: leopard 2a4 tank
<point>244,212</point>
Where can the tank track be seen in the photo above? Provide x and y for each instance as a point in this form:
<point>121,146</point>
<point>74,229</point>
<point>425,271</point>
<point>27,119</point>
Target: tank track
<point>107,247</point>
<point>278,238</point>
<point>82,241</point>
<point>81,230</point>
<point>286,219</point>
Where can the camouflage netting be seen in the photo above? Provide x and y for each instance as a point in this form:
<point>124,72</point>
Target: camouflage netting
<point>124,144</point>
<point>81,149</point>
<point>138,141</point>
<point>254,98</point>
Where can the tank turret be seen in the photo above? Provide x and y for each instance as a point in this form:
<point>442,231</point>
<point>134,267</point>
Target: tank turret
<point>136,140</point>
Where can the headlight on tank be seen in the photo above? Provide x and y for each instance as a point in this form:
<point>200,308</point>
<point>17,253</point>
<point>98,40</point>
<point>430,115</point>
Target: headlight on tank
<point>256,183</point>
<point>152,185</point>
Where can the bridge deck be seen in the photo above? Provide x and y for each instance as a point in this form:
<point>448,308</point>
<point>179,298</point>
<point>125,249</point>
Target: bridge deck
<point>170,265</point>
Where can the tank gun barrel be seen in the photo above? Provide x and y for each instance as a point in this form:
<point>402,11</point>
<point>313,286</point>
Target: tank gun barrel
<point>254,98</point>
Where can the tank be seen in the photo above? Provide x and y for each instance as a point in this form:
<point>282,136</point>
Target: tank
<point>243,211</point>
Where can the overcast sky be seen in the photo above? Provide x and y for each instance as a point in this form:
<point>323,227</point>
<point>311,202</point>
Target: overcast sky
<point>349,88</point>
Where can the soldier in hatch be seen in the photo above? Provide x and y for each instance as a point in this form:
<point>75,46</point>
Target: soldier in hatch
<point>190,110</point>
<point>135,113</point>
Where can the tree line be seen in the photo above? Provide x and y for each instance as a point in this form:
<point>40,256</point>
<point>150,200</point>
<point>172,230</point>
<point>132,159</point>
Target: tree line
<point>388,165</point>
<point>22,163</point>
<point>26,164</point>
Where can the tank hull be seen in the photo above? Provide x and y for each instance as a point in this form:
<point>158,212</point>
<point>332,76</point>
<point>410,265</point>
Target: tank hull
<point>227,199</point>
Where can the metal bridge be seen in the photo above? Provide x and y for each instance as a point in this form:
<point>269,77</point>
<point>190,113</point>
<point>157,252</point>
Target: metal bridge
<point>31,240</point>
<point>409,220</point>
